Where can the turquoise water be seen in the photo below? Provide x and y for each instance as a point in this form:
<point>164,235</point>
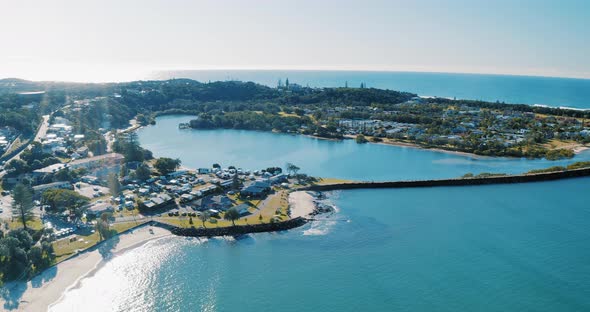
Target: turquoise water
<point>338,159</point>
<point>486,248</point>
<point>509,89</point>
<point>489,248</point>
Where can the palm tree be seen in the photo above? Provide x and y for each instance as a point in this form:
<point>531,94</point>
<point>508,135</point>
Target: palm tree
<point>204,216</point>
<point>232,215</point>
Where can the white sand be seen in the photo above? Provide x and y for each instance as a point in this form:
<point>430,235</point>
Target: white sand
<point>301,204</point>
<point>48,287</point>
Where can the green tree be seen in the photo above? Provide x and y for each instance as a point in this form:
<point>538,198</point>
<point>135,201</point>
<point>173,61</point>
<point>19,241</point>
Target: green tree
<point>360,139</point>
<point>17,166</point>
<point>143,172</point>
<point>103,227</point>
<point>166,165</point>
<point>22,204</point>
<point>114,184</point>
<point>232,215</point>
<point>204,216</point>
<point>292,169</point>
<point>60,200</point>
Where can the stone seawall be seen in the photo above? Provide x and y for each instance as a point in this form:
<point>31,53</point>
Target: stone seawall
<point>236,230</point>
<point>524,178</point>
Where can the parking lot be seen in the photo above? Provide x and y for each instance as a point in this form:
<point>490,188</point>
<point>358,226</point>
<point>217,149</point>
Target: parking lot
<point>90,190</point>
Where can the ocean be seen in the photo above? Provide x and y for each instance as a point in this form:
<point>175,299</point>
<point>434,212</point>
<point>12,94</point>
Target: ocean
<point>551,91</point>
<point>478,248</point>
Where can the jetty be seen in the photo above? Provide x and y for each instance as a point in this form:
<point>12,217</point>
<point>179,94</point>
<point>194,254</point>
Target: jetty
<point>504,179</point>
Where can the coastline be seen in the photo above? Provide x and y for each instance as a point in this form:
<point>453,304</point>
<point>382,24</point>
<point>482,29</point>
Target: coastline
<point>576,149</point>
<point>48,288</point>
<point>301,204</point>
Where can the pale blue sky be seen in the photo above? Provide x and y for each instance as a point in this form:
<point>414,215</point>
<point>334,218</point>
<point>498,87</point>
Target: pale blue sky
<point>110,40</point>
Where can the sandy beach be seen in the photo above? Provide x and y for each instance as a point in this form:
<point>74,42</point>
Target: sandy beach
<point>301,203</point>
<point>48,287</point>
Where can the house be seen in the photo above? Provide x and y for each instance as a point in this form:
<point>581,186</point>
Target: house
<point>279,178</point>
<point>226,183</point>
<point>157,202</point>
<point>204,170</point>
<point>218,202</point>
<point>257,189</point>
<point>185,198</point>
<point>242,209</point>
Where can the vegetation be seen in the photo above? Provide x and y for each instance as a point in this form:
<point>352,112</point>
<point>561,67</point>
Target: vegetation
<point>60,200</point>
<point>232,215</point>
<point>23,253</point>
<point>22,204</point>
<point>360,139</point>
<point>115,186</point>
<point>292,169</point>
<point>128,145</point>
<point>166,165</point>
<point>102,226</point>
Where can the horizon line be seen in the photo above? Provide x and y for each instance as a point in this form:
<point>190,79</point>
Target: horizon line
<point>368,70</point>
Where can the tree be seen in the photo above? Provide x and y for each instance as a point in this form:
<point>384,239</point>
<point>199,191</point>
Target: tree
<point>22,204</point>
<point>143,172</point>
<point>292,169</point>
<point>360,139</point>
<point>59,200</point>
<point>232,215</point>
<point>236,182</point>
<point>166,165</point>
<point>114,184</point>
<point>204,216</point>
<point>216,166</point>
<point>17,166</point>
<point>102,226</point>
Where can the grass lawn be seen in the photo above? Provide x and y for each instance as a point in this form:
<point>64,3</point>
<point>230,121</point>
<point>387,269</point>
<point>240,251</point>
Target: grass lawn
<point>64,247</point>
<point>34,224</point>
<point>324,181</point>
<point>266,207</point>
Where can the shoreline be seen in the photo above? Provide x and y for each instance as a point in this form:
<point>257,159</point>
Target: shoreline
<point>577,149</point>
<point>49,287</point>
<point>302,204</point>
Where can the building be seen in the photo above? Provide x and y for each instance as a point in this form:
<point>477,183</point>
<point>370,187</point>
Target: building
<point>39,189</point>
<point>157,202</point>
<point>242,209</point>
<point>105,160</point>
<point>257,189</point>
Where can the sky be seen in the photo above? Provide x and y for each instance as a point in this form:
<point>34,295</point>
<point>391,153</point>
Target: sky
<point>114,40</point>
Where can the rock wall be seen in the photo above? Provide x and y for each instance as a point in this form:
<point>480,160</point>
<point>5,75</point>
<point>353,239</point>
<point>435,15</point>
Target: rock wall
<point>524,178</point>
<point>237,230</point>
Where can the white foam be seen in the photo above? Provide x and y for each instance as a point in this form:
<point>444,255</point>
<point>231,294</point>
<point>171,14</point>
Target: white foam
<point>319,228</point>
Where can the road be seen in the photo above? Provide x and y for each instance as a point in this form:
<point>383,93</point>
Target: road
<point>40,135</point>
